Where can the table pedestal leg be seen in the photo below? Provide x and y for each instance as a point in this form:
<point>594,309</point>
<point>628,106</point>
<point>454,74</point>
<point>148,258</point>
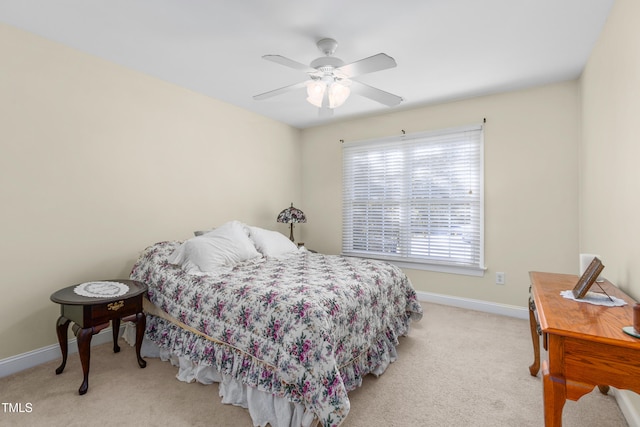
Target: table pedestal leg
<point>61,329</point>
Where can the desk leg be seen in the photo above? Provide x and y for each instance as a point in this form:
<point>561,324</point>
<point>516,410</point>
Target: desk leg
<point>61,329</point>
<point>535,339</point>
<point>554,396</point>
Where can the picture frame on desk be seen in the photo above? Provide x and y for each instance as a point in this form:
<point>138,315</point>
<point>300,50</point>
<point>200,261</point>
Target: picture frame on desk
<point>588,278</point>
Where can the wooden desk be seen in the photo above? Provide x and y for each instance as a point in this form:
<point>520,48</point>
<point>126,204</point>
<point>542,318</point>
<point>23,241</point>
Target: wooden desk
<point>585,343</point>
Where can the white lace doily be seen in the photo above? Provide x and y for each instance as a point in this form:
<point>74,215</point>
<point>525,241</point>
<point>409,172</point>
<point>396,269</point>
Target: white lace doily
<point>101,289</point>
<point>596,299</point>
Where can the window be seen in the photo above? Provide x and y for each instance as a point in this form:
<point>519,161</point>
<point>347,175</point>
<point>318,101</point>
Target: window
<point>416,200</point>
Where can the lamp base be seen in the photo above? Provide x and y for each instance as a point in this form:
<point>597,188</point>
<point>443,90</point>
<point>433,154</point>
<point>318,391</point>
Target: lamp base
<point>291,233</point>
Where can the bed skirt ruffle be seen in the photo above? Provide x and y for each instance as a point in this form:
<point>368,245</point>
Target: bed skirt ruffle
<point>242,380</point>
<point>264,408</point>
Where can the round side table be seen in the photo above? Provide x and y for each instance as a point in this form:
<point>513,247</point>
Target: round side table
<point>90,315</point>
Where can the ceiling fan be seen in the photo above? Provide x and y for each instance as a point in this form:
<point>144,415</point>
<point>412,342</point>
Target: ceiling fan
<point>331,80</point>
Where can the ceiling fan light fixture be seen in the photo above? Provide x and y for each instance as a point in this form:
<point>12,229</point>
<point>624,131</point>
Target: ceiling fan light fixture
<point>315,92</point>
<point>338,92</point>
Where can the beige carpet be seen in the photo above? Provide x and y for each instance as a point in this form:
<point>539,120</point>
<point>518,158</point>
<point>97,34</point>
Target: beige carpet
<point>456,368</point>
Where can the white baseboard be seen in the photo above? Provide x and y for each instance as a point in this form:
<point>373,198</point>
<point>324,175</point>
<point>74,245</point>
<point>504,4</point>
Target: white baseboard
<point>27,360</point>
<point>629,403</point>
<point>478,305</point>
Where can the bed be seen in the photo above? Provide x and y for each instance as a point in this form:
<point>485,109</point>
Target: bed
<point>286,332</point>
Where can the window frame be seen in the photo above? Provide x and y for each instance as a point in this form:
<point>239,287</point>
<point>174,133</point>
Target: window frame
<point>428,263</point>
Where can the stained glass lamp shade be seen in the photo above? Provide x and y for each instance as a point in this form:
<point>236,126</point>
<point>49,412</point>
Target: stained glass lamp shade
<point>291,216</point>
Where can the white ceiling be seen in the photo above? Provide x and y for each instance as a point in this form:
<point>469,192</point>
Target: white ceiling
<point>445,49</point>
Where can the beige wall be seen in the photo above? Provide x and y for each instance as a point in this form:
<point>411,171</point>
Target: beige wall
<point>97,162</point>
<point>531,184</point>
<point>610,152</point>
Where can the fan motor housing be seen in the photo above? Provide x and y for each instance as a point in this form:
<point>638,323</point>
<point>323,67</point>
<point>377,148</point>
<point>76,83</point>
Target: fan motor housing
<point>327,61</point>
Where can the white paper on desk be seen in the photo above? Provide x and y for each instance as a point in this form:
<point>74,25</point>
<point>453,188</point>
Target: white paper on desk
<point>595,298</point>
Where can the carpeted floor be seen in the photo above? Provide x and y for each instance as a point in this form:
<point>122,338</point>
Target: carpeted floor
<point>456,368</point>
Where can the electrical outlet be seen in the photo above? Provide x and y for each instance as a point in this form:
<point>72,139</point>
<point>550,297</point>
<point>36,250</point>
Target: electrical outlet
<point>500,278</point>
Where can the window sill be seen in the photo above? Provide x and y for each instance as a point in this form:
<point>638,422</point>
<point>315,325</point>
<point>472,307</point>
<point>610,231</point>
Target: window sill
<point>440,268</point>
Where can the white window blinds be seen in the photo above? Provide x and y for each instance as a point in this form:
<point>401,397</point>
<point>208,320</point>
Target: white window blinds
<point>416,199</point>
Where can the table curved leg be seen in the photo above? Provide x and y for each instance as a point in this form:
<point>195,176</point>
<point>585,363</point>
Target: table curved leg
<point>62,326</point>
<point>554,396</point>
<point>141,324</point>
<point>115,326</point>
<point>535,339</point>
<point>84,348</point>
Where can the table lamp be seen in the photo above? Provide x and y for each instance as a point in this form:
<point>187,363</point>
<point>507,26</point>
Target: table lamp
<point>291,216</point>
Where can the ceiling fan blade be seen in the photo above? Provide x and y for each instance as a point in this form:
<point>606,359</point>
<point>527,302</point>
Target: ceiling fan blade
<point>378,95</point>
<point>289,63</point>
<point>280,91</point>
<point>373,63</point>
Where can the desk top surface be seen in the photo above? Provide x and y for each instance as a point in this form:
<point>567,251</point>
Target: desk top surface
<point>562,316</point>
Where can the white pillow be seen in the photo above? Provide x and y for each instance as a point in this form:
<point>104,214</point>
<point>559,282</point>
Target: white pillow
<point>225,246</point>
<point>271,243</point>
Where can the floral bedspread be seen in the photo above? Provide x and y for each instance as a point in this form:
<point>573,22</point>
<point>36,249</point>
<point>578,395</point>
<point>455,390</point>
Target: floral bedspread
<point>307,327</point>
